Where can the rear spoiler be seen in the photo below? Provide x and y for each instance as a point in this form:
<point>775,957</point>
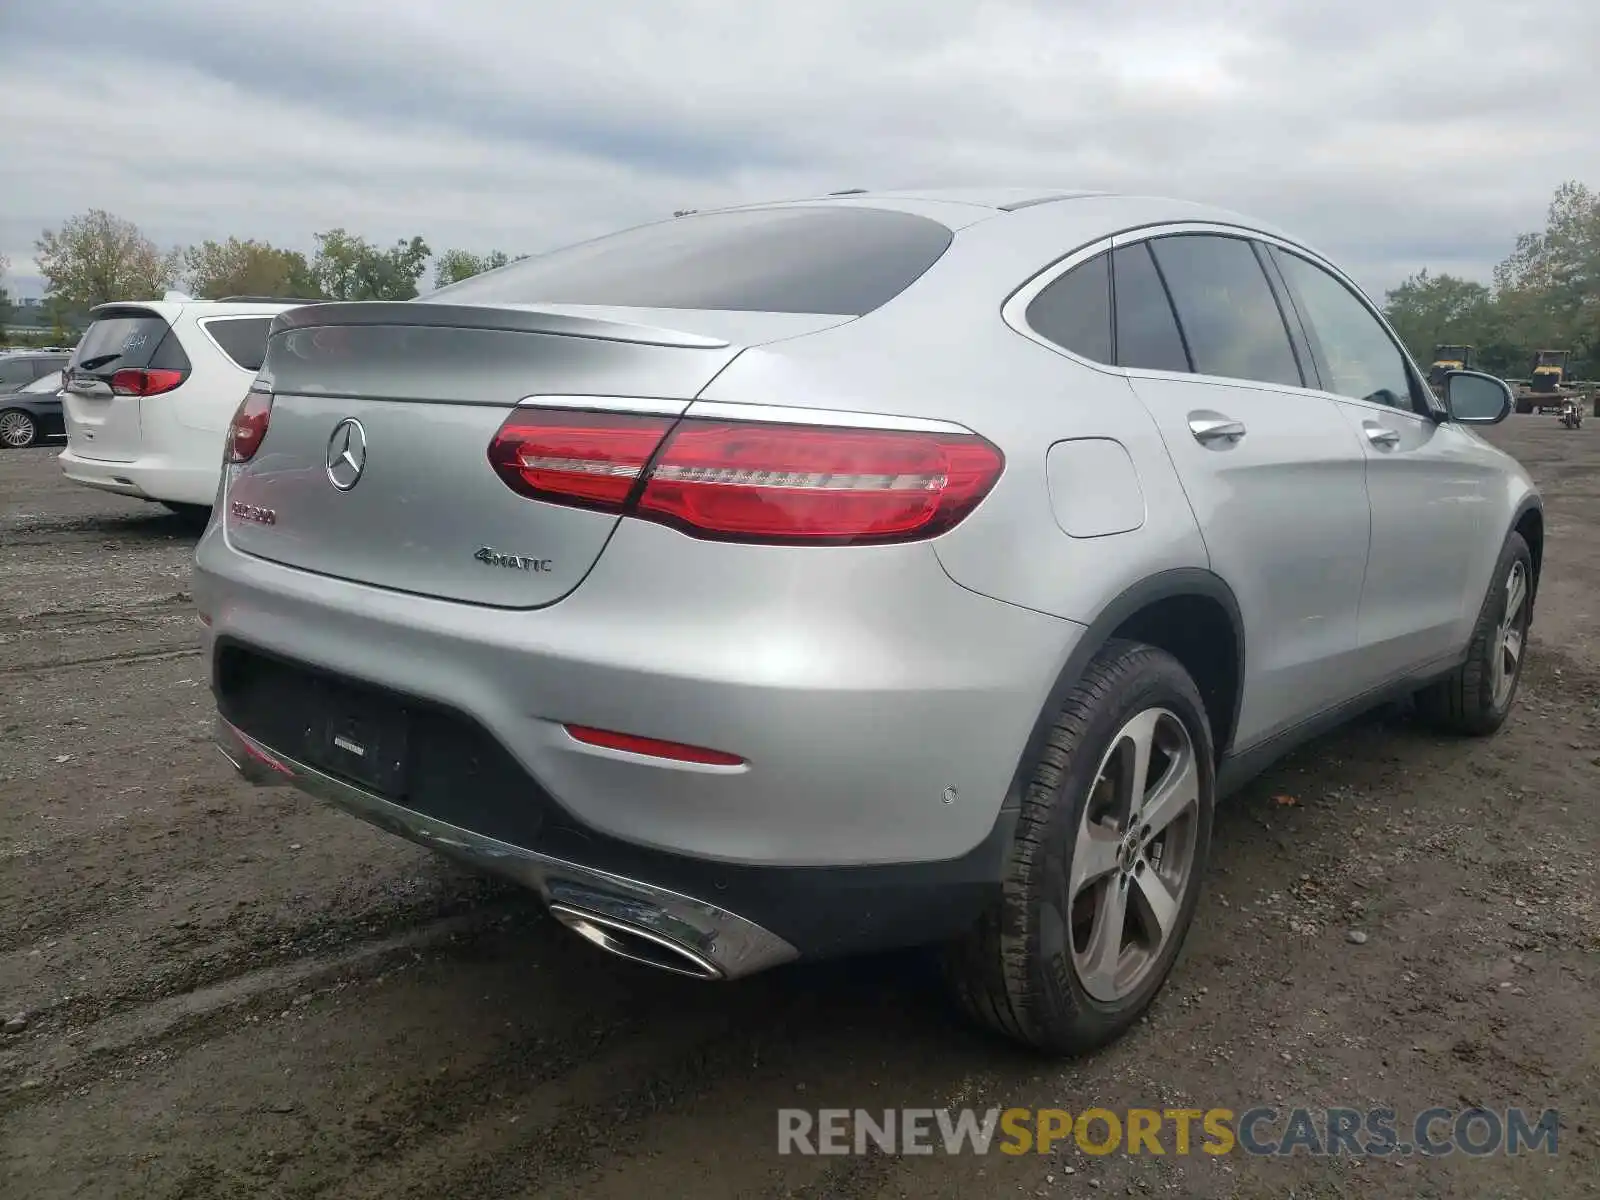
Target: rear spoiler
<point>472,316</point>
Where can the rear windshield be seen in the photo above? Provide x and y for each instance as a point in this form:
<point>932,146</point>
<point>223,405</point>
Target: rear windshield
<point>116,341</point>
<point>793,260</point>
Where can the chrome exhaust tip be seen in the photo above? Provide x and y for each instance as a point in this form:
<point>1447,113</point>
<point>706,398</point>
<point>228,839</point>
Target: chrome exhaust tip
<point>635,943</point>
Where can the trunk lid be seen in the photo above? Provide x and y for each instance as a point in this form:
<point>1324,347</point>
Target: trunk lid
<point>101,424</point>
<point>415,392</point>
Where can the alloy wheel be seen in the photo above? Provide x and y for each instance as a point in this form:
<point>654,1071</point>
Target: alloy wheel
<point>1506,662</point>
<point>16,429</point>
<point>1135,854</point>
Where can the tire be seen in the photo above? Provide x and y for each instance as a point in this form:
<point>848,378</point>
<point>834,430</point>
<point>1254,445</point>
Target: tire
<point>1022,969</point>
<point>18,429</point>
<point>1475,699</point>
<point>1524,406</point>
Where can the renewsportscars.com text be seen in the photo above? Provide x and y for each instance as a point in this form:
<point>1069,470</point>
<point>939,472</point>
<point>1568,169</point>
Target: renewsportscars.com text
<point>1375,1132</point>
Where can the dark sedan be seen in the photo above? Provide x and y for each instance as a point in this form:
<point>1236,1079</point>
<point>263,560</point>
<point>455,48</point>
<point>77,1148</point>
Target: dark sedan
<point>33,413</point>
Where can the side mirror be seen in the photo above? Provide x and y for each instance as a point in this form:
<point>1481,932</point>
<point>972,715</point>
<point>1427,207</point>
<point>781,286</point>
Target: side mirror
<point>1474,398</point>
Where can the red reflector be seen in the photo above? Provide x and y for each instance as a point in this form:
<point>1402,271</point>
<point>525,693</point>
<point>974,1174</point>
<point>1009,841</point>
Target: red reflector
<point>135,381</point>
<point>587,459</point>
<point>249,426</point>
<point>262,757</point>
<point>654,747</point>
<point>743,481</point>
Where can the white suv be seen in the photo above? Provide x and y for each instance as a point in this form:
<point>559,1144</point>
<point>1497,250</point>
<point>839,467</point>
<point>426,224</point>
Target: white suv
<point>150,391</point>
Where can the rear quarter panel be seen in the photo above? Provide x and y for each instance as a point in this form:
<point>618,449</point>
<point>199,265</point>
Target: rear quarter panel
<point>941,350</point>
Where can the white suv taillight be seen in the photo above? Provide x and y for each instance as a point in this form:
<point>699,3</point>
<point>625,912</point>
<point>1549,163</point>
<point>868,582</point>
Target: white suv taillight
<point>147,381</point>
<point>248,428</point>
<point>749,481</point>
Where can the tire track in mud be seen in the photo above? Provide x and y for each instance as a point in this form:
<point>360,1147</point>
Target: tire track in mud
<point>239,945</point>
<point>738,1051</point>
<point>575,1105</point>
<point>125,1030</point>
<point>120,658</point>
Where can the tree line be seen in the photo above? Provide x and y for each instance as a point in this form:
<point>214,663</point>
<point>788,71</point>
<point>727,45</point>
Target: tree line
<point>96,257</point>
<point>1545,294</point>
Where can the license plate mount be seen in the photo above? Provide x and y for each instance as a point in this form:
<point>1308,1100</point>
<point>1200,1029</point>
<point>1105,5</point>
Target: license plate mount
<point>363,743</point>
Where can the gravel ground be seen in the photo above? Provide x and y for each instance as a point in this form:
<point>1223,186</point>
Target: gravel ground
<point>235,992</point>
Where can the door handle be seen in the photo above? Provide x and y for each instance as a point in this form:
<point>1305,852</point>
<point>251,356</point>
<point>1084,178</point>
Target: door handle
<point>1209,427</point>
<point>1378,435</point>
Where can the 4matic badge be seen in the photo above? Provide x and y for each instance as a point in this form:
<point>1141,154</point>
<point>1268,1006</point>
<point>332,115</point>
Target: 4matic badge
<point>516,562</point>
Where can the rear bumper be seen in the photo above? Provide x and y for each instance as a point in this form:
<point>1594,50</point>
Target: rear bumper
<point>880,708</point>
<point>701,939</point>
<point>762,916</point>
<point>143,478</point>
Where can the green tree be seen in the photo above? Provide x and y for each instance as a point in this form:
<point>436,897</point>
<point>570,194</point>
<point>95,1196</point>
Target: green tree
<point>1548,287</point>
<point>247,268</point>
<point>348,267</point>
<point>96,257</point>
<point>455,265</point>
<point>1429,310</point>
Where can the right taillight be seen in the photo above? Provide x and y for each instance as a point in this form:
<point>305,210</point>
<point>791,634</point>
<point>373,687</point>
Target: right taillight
<point>249,426</point>
<point>750,481</point>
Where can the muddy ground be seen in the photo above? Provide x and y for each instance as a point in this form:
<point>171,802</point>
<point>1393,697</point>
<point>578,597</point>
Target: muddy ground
<point>232,992</point>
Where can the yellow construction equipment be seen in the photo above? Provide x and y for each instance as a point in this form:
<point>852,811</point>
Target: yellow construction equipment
<point>1549,370</point>
<point>1449,358</point>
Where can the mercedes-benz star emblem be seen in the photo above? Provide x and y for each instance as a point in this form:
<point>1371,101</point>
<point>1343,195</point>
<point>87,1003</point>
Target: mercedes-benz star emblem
<point>347,454</point>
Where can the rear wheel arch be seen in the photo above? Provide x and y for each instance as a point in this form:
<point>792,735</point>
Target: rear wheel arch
<point>1189,612</point>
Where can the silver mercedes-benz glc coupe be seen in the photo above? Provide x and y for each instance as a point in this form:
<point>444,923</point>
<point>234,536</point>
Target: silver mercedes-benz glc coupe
<point>863,571</point>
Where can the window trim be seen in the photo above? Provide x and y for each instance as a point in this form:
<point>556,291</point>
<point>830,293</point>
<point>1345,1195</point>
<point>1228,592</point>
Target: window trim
<point>1013,311</point>
<point>205,324</point>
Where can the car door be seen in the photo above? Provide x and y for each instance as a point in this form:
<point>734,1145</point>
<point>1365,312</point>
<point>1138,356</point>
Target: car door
<point>1429,481</point>
<point>1273,471</point>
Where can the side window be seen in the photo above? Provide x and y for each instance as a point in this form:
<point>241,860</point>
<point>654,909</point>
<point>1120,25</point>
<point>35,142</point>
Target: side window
<point>15,373</point>
<point>1074,312</point>
<point>47,366</point>
<point>243,339</point>
<point>1147,332</point>
<point>1359,358</point>
<point>1229,315</point>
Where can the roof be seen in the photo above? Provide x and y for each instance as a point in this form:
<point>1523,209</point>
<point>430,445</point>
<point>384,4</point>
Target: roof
<point>1005,199</point>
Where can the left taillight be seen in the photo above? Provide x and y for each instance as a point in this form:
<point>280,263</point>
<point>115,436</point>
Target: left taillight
<point>146,381</point>
<point>248,428</point>
<point>750,481</point>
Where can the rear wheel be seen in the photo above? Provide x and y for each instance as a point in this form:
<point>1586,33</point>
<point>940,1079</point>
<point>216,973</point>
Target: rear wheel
<point>17,429</point>
<point>1476,698</point>
<point>1105,871</point>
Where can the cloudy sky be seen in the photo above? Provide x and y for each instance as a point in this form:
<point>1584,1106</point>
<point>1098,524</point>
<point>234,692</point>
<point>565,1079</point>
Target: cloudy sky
<point>1393,134</point>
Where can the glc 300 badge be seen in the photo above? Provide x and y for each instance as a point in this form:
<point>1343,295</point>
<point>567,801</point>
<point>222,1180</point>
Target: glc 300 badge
<point>515,562</point>
<point>240,511</point>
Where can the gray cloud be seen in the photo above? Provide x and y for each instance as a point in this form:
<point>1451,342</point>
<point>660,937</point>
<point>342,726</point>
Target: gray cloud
<point>1391,135</point>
